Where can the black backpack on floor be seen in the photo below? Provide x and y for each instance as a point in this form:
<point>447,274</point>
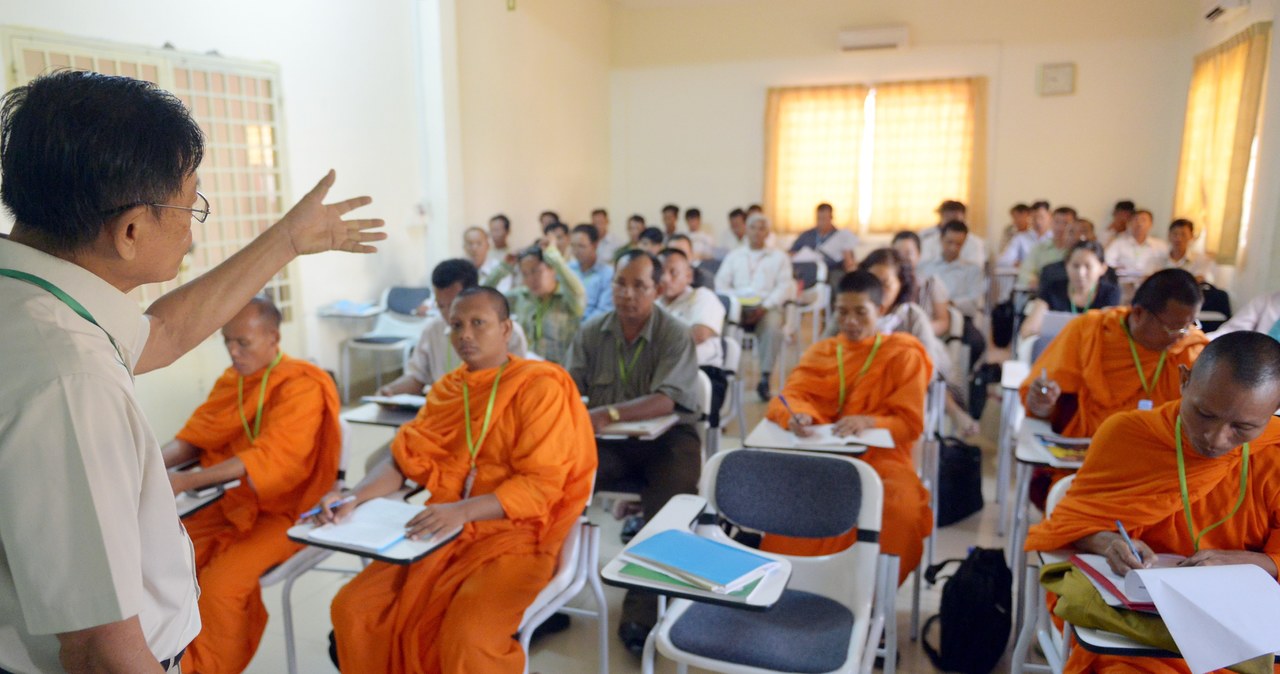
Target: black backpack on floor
<point>959,480</point>
<point>976,613</point>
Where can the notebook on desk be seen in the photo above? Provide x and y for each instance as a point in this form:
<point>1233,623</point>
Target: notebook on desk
<point>373,527</point>
<point>1125,591</point>
<point>703,563</point>
<point>405,401</point>
<point>647,429</point>
<point>824,435</point>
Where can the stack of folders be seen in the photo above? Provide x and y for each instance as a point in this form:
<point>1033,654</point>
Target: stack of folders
<point>684,559</point>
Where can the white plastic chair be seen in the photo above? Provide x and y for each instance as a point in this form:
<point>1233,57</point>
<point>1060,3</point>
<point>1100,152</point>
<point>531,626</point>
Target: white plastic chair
<point>815,300</point>
<point>576,569</point>
<point>396,330</point>
<point>927,469</point>
<point>764,490</point>
<point>1039,627</point>
<point>733,395</point>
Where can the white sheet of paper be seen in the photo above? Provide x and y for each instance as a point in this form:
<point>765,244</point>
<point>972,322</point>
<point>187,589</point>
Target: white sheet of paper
<point>806,254</point>
<point>398,400</point>
<point>824,434</point>
<point>1218,615</point>
<point>374,526</point>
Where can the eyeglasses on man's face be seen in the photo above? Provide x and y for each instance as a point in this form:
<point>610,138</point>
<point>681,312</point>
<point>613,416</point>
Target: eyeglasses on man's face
<point>200,214</point>
<point>1177,332</point>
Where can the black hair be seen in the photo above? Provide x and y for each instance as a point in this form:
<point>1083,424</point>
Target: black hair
<point>554,216</point>
<point>1183,222</point>
<point>589,231</point>
<point>906,275</point>
<point>77,148</point>
<point>1125,205</point>
<point>1165,286</point>
<point>669,252</point>
<point>599,211</point>
<point>457,270</point>
<point>493,295</point>
<point>653,234</point>
<point>862,282</point>
<point>1143,211</point>
<point>907,235</point>
<point>680,237</point>
<point>1091,246</point>
<point>534,251</point>
<point>636,218</point>
<point>554,226</point>
<point>1020,208</point>
<point>952,205</point>
<point>693,213</point>
<point>955,226</point>
<point>1065,210</point>
<point>754,208</point>
<point>824,206</point>
<point>1253,358</point>
<point>506,222</point>
<point>1039,205</point>
<point>737,213</point>
<point>671,208</point>
<point>625,259</point>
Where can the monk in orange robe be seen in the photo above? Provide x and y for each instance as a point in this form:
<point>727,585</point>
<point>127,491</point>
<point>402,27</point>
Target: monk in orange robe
<point>1131,473</point>
<point>271,421</point>
<point>457,609</point>
<point>882,385</point>
<point>1114,360</point>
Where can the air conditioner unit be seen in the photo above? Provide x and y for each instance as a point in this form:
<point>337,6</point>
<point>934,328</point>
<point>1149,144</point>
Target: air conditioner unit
<point>1217,9</point>
<point>863,39</point>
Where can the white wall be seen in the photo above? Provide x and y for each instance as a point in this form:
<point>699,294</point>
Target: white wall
<point>689,89</point>
<point>350,103</point>
<point>534,92</point>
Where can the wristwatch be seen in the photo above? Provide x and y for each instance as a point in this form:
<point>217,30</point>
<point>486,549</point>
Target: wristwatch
<point>614,415</point>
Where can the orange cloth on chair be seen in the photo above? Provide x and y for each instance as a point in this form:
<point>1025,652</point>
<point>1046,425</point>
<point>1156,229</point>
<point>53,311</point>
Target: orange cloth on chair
<point>1091,359</point>
<point>288,468</point>
<point>1131,474</point>
<point>457,610</point>
<point>893,391</point>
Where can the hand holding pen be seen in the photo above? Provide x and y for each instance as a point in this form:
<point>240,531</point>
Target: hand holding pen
<point>799,423</point>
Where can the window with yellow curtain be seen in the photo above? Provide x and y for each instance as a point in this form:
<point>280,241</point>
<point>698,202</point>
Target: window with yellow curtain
<point>814,139</point>
<point>883,156</point>
<point>928,140</point>
<point>1217,138</point>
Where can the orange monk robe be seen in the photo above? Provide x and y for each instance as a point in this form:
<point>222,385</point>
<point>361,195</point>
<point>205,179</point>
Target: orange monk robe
<point>288,468</point>
<point>1091,359</point>
<point>893,391</point>
<point>1131,474</point>
<point>457,610</point>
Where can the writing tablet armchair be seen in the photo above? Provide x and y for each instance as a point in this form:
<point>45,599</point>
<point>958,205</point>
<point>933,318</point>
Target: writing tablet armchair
<point>835,608</point>
<point>396,330</point>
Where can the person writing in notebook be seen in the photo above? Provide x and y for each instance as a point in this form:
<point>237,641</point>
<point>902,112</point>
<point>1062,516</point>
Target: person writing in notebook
<point>99,173</point>
<point>858,380</point>
<point>634,363</point>
<point>505,448</point>
<point>271,421</point>
<point>1117,359</point>
<point>1194,477</point>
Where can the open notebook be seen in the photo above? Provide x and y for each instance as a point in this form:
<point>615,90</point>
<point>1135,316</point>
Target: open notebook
<point>824,435</point>
<point>1121,591</point>
<point>374,526</point>
<point>648,429</point>
<point>399,400</point>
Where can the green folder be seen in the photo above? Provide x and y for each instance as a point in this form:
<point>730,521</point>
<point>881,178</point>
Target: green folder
<point>637,571</point>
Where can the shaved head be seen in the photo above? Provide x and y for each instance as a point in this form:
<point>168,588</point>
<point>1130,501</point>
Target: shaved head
<point>267,312</point>
<point>496,299</point>
<point>1231,393</point>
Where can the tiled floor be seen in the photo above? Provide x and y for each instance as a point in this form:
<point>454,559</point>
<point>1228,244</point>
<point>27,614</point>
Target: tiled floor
<point>574,650</point>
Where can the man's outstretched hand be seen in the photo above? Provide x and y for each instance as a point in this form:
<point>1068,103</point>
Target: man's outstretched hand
<point>315,227</point>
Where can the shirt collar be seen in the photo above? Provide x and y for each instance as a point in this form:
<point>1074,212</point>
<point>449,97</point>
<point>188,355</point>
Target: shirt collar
<point>614,324</point>
<point>115,311</point>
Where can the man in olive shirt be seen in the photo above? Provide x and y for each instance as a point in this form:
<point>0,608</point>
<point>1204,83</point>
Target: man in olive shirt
<point>638,362</point>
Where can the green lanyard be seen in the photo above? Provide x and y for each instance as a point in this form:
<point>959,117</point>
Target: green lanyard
<point>538,313</point>
<point>473,445</point>
<point>1088,302</point>
<point>70,302</point>
<point>262,398</point>
<point>1142,377</point>
<point>1186,499</point>
<point>861,373</point>
<point>624,368</point>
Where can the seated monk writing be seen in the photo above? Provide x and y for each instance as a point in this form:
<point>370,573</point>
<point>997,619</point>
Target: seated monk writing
<point>271,421</point>
<point>863,379</point>
<point>505,447</point>
<point>1114,360</point>
<point>1220,441</point>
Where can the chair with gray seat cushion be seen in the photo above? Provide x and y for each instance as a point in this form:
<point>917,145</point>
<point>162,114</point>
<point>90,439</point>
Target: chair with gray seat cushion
<point>833,612</point>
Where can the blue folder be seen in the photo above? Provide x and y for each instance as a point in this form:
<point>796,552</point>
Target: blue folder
<point>704,563</point>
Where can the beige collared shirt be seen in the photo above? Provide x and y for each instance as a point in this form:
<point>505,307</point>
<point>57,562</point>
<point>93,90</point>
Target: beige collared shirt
<point>89,533</point>
<point>434,356</point>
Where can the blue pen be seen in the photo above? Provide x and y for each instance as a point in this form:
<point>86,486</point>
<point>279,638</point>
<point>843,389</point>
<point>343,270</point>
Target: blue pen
<point>336,504</point>
<point>794,418</point>
<point>1128,541</point>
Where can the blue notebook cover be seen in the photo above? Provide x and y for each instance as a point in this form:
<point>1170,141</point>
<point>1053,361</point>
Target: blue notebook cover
<point>716,563</point>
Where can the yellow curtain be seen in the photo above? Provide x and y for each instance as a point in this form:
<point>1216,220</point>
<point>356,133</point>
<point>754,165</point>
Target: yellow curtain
<point>929,145</point>
<point>813,136</point>
<point>1217,139</point>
